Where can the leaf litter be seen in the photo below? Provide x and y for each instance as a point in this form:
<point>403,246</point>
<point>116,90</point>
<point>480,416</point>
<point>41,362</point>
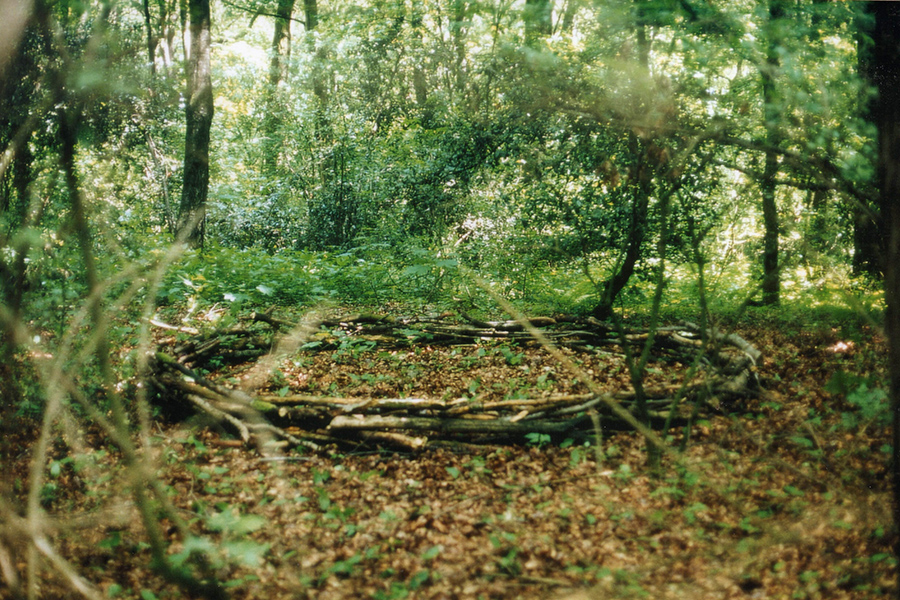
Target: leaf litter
<point>787,498</point>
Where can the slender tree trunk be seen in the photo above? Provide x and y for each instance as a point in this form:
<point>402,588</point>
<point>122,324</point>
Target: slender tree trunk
<point>281,53</point>
<point>538,24</point>
<point>568,18</point>
<point>281,42</point>
<point>771,283</point>
<point>167,31</point>
<point>637,233</point>
<point>869,236</point>
<point>887,118</point>
<point>151,37</point>
<point>419,77</point>
<point>458,30</point>
<point>320,79</point>
<point>199,115</point>
<point>643,187</point>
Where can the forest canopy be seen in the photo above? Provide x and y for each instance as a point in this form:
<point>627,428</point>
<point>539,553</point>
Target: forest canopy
<point>563,150</point>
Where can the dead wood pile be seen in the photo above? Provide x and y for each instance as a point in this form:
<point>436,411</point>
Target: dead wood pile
<point>723,370</point>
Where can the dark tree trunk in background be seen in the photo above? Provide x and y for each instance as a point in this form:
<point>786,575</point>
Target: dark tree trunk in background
<point>869,236</point>
<point>151,37</point>
<point>771,282</point>
<point>642,182</point>
<point>281,42</point>
<point>320,77</point>
<point>637,233</point>
<point>281,53</point>
<point>458,31</point>
<point>199,115</point>
<point>886,77</point>
<point>18,73</point>
<point>538,24</point>
<point>568,18</point>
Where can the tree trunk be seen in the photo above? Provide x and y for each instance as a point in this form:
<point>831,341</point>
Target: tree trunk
<point>771,283</point>
<point>320,78</point>
<point>167,31</point>
<point>151,37</point>
<point>568,18</point>
<point>869,236</point>
<point>199,115</point>
<point>887,119</point>
<point>643,188</point>
<point>538,22</point>
<point>419,77</point>
<point>637,232</point>
<point>281,52</point>
<point>458,31</point>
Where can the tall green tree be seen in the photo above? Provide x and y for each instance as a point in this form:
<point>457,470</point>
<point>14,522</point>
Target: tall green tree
<point>869,237</point>
<point>886,77</point>
<point>198,117</point>
<point>280,55</point>
<point>771,283</point>
<point>641,183</point>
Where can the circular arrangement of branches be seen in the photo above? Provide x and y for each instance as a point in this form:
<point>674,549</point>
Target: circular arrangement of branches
<point>727,362</point>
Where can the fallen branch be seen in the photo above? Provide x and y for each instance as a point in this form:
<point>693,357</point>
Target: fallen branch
<point>306,420</point>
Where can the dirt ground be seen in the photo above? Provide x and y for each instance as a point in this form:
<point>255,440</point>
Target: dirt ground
<point>785,497</point>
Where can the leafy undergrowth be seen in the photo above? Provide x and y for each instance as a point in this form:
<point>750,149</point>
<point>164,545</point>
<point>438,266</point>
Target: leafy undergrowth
<point>787,499</point>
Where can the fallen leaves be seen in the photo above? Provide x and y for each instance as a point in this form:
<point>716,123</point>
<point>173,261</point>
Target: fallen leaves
<point>756,513</point>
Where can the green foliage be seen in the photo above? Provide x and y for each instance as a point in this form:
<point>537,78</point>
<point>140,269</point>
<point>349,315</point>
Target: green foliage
<point>538,439</point>
<point>869,401</point>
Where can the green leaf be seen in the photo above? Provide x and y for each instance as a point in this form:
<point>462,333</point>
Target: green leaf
<point>192,545</point>
<point>802,441</point>
<point>454,472</point>
<point>246,552</point>
<point>843,382</point>
<point>229,522</point>
<point>417,580</point>
<point>112,541</point>
<point>416,270</point>
<point>793,491</point>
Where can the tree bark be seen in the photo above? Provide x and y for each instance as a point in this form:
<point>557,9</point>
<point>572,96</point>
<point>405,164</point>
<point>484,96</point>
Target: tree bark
<point>869,236</point>
<point>538,22</point>
<point>886,75</point>
<point>151,37</point>
<point>458,31</point>
<point>320,78</point>
<point>198,115</point>
<point>568,18</point>
<point>637,232</point>
<point>643,188</point>
<point>281,53</point>
<point>771,283</point>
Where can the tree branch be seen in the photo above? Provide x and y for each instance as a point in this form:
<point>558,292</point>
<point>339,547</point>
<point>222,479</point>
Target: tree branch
<point>258,12</point>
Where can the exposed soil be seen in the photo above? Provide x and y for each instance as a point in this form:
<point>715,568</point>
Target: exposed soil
<point>788,496</point>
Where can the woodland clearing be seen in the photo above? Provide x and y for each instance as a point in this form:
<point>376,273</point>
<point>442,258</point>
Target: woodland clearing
<point>785,496</point>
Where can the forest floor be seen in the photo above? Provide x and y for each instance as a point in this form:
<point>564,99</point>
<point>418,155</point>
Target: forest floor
<point>786,497</point>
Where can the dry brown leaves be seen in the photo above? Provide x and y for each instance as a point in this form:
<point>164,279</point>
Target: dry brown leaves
<point>750,513</point>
